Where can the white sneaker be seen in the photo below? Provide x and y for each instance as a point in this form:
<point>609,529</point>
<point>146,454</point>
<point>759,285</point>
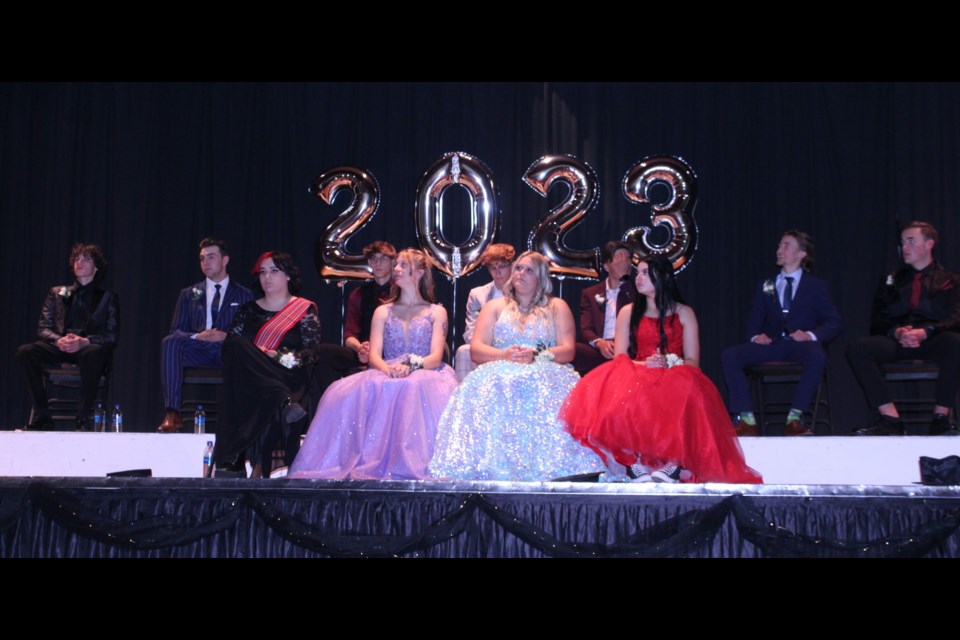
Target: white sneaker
<point>667,473</point>
<point>639,473</point>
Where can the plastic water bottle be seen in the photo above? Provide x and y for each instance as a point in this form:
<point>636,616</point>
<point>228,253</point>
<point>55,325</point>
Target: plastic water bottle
<point>116,420</point>
<point>99,418</point>
<point>208,459</point>
<point>200,420</point>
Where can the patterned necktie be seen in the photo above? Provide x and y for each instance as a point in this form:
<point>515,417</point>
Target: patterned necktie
<point>215,307</point>
<point>915,290</point>
<point>787,294</point>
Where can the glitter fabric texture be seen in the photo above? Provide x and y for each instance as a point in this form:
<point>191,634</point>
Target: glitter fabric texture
<point>369,426</point>
<point>501,422</point>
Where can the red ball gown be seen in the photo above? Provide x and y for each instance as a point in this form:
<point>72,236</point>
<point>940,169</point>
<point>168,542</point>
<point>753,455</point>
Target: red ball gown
<point>632,412</point>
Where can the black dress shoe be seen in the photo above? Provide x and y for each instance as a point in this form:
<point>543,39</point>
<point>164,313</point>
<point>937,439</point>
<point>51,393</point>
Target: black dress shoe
<point>82,424</point>
<point>884,426</point>
<point>940,426</point>
<point>234,468</point>
<point>42,423</point>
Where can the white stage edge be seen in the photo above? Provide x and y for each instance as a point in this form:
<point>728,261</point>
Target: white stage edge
<point>815,460</point>
<point>86,454</point>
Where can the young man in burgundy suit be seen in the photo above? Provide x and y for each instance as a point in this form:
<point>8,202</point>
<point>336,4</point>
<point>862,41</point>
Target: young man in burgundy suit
<point>599,306</point>
<point>791,320</point>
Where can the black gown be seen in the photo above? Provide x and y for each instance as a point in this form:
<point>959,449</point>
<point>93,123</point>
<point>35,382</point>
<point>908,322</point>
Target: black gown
<point>255,387</point>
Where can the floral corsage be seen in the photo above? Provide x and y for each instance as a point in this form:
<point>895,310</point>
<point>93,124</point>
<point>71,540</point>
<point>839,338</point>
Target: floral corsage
<point>543,353</point>
<point>890,280</point>
<point>769,288</point>
<point>414,362</point>
<point>287,359</point>
<point>673,360</point>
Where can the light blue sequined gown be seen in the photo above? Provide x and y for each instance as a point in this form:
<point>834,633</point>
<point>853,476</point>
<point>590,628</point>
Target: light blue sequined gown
<point>501,422</point>
<point>371,426</point>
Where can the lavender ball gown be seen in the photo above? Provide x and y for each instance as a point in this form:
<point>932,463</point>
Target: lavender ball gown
<point>370,426</point>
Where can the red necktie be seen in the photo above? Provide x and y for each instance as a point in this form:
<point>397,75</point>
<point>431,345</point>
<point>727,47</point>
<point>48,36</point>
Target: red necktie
<point>915,290</point>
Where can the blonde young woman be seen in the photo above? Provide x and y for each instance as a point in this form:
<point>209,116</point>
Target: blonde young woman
<point>500,423</point>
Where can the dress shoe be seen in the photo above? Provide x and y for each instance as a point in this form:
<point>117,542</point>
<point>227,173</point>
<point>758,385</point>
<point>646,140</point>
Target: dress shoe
<point>171,422</point>
<point>884,426</point>
<point>745,429</point>
<point>83,424</point>
<point>41,423</point>
<point>940,426</point>
<point>797,428</point>
<point>292,411</point>
<point>234,468</point>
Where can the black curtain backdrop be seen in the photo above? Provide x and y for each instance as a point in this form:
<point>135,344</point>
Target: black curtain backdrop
<point>147,169</point>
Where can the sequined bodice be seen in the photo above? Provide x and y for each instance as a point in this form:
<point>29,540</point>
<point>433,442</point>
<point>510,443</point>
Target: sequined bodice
<point>648,336</point>
<point>417,339</point>
<point>538,329</point>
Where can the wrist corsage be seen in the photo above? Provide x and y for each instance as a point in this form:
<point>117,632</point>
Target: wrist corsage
<point>673,360</point>
<point>414,362</point>
<point>287,359</point>
<point>543,353</point>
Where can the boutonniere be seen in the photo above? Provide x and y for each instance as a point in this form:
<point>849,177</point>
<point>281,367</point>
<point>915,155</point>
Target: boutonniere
<point>769,288</point>
<point>601,300</point>
<point>197,293</point>
<point>287,359</point>
<point>65,292</point>
<point>890,280</point>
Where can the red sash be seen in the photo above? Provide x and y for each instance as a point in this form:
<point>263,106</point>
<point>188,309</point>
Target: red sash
<point>272,332</point>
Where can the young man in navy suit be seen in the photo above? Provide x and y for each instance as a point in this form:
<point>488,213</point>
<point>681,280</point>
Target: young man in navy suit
<point>791,320</point>
<point>200,321</point>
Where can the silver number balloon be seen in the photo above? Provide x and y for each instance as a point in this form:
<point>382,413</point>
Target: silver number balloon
<point>547,236</point>
<point>330,253</point>
<point>456,168</point>
<point>676,214</point>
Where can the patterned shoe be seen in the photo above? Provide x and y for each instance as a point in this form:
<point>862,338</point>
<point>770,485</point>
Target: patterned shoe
<point>668,473</point>
<point>639,473</point>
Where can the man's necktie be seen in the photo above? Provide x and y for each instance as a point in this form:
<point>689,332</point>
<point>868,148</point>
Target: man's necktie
<point>915,290</point>
<point>215,307</point>
<point>787,294</point>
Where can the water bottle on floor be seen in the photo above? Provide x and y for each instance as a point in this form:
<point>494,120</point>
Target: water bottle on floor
<point>208,459</point>
<point>116,421</point>
<point>99,418</point>
<point>200,420</point>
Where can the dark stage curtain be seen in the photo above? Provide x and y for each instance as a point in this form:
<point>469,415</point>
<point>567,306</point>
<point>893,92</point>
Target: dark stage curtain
<point>64,518</point>
<point>147,169</point>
